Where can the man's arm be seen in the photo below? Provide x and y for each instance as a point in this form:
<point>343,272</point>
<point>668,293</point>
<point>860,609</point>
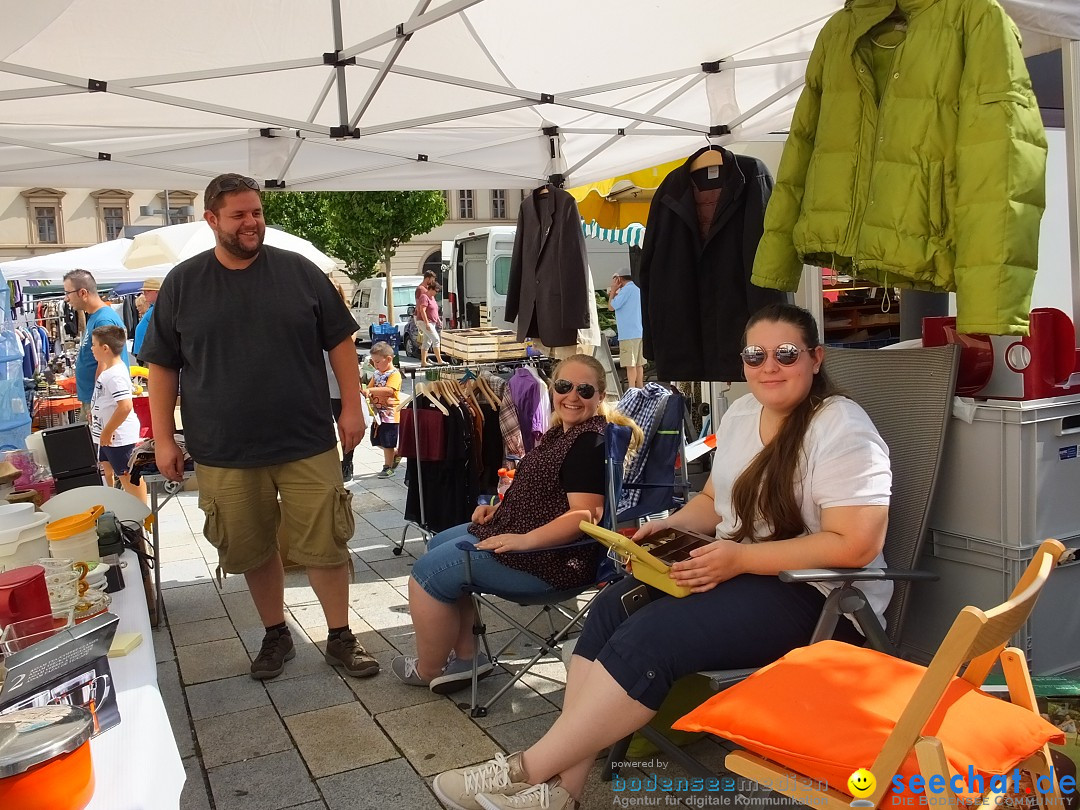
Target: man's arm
<point>164,385</point>
<point>351,423</point>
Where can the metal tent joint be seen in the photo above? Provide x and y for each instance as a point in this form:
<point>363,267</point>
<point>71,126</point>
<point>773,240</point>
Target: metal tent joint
<point>547,98</point>
<point>716,130</point>
<point>421,158</point>
<point>104,156</point>
<point>334,58</point>
<point>711,67</point>
<point>274,184</point>
<point>400,34</point>
<point>97,86</point>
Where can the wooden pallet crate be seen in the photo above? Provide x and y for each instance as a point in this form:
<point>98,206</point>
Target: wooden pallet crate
<point>481,345</point>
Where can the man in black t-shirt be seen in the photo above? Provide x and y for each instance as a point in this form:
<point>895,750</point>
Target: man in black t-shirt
<point>246,325</point>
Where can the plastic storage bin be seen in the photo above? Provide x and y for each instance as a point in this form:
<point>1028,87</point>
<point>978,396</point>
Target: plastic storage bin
<point>1012,476</point>
<point>387,333</point>
<point>983,574</point>
<point>75,537</point>
<point>23,542</point>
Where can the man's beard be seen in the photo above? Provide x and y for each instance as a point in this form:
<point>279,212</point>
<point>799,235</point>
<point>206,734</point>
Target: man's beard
<point>231,243</point>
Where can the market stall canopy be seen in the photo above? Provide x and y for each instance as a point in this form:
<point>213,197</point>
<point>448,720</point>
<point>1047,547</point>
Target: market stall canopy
<point>624,200</point>
<point>399,94</point>
<point>175,243</point>
<point>104,261</point>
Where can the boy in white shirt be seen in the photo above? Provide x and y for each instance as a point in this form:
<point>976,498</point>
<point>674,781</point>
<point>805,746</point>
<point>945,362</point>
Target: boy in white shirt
<point>113,423</point>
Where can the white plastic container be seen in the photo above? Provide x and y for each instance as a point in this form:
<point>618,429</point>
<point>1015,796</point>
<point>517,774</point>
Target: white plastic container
<point>22,544</point>
<point>75,537</point>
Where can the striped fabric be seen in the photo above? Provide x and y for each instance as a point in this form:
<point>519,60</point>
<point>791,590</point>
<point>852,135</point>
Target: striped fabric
<point>632,235</point>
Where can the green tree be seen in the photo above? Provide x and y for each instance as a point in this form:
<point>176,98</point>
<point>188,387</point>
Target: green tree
<point>361,228</point>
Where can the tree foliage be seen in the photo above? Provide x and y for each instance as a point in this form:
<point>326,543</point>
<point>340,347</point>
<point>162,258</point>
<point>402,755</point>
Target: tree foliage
<point>361,228</point>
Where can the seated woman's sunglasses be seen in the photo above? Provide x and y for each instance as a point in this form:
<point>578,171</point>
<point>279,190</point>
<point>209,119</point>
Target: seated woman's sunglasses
<point>585,391</point>
<point>786,354</point>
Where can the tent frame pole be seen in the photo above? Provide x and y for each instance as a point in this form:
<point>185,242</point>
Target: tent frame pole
<point>1070,66</point>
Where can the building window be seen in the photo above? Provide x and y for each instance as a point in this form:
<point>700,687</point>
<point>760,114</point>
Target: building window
<point>465,205</point>
<point>112,212</point>
<point>176,201</point>
<point>498,204</point>
<point>44,216</point>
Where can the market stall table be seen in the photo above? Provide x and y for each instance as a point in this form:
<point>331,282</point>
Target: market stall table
<point>136,764</point>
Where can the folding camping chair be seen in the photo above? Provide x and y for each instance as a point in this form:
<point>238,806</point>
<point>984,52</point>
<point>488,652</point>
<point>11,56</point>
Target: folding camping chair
<point>616,441</point>
<point>908,394</point>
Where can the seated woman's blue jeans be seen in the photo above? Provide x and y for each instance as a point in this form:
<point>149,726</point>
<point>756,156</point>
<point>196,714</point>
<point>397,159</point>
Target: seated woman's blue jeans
<point>441,570</point>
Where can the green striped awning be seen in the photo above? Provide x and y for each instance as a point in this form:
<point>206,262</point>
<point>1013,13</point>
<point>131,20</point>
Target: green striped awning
<point>632,235</point>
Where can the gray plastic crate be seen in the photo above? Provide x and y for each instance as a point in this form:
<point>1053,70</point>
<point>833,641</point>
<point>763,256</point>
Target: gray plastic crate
<point>983,574</point>
<point>1012,475</point>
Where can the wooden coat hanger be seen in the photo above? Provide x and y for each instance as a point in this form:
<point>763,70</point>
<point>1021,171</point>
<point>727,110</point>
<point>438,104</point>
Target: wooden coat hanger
<point>710,157</point>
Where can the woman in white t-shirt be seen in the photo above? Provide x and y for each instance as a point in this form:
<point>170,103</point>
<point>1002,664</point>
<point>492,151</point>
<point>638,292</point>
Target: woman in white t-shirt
<point>801,479</point>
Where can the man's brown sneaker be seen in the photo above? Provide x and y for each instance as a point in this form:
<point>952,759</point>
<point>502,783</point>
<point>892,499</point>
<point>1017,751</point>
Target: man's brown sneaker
<point>349,654</point>
<point>277,648</point>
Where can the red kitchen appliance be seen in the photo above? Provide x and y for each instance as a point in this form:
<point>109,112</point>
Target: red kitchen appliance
<point>23,594</point>
<point>1044,364</point>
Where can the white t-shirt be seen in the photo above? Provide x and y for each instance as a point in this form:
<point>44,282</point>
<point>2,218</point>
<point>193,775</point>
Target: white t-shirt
<point>846,463</point>
<point>113,385</point>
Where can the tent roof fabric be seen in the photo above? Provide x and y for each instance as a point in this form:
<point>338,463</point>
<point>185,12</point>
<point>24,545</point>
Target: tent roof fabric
<point>440,94</point>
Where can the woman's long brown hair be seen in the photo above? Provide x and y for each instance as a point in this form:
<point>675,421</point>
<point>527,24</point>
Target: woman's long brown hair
<point>766,488</point>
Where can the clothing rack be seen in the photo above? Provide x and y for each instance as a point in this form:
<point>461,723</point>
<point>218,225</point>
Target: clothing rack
<point>495,365</point>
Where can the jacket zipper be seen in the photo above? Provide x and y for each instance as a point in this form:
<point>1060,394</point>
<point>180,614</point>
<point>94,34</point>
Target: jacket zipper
<point>878,137</point>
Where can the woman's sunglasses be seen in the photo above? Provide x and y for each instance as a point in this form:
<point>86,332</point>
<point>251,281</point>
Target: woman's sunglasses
<point>585,391</point>
<point>786,354</point>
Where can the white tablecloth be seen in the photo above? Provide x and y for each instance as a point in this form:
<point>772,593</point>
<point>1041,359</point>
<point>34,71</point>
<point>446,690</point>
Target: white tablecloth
<point>136,764</point>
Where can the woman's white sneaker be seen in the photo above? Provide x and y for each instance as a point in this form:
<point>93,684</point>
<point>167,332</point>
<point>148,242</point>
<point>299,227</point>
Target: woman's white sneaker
<point>502,775</point>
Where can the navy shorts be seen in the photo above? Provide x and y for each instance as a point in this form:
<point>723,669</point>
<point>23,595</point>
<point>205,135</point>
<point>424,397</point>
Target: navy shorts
<point>118,457</point>
<point>384,435</point>
<point>748,621</point>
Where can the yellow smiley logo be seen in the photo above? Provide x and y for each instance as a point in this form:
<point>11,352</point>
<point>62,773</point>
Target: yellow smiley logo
<point>861,784</point>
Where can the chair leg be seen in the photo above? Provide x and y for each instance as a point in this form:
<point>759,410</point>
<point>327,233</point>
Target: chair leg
<point>616,756</point>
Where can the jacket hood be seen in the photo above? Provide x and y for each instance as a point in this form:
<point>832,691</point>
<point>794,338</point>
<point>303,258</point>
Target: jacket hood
<point>907,7</point>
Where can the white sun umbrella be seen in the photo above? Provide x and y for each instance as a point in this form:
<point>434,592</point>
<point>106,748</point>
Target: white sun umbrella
<point>175,243</point>
<point>98,259</point>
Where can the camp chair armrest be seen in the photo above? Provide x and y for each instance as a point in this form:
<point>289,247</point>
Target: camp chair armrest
<point>855,575</point>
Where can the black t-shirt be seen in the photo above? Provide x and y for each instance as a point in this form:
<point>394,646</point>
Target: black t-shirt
<point>583,468</point>
<point>249,344</point>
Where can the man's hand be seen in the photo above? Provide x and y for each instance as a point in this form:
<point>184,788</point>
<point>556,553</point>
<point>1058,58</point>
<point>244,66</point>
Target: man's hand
<point>351,427</point>
<point>105,440</point>
<point>506,542</point>
<point>169,458</point>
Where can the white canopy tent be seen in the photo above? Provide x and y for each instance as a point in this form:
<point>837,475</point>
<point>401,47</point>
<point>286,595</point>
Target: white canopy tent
<point>151,254</point>
<point>319,94</point>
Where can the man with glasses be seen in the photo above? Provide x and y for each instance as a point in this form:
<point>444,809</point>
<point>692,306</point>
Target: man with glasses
<point>81,294</point>
<point>246,325</point>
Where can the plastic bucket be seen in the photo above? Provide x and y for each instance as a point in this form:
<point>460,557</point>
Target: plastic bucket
<point>22,545</point>
<point>75,537</point>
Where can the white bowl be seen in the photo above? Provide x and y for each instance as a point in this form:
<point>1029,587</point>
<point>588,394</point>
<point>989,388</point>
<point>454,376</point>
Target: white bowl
<point>16,515</point>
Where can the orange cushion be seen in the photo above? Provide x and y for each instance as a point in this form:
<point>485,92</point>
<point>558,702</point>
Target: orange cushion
<point>825,710</point>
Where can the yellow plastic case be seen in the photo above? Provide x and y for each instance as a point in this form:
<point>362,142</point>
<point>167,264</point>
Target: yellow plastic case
<point>646,567</point>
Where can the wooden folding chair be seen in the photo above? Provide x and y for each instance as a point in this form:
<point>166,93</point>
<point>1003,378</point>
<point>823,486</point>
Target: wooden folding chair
<point>820,713</point>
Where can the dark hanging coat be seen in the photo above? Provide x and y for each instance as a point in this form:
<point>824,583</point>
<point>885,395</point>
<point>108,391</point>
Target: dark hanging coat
<point>548,288</point>
<point>696,295</point>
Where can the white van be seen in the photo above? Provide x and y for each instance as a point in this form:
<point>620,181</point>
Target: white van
<point>478,274</point>
<point>369,301</point>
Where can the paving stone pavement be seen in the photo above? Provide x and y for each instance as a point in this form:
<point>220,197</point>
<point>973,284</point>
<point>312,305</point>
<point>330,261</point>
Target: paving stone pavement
<point>314,739</point>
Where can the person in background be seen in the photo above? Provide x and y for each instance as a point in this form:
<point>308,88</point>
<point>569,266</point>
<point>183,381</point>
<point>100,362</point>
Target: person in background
<point>421,289</point>
<point>246,323</point>
<point>151,287</point>
<point>141,305</point>
<point>624,298</point>
<point>384,395</point>
<point>81,294</point>
<point>335,402</point>
<point>113,423</point>
<point>427,322</point>
<point>805,483</point>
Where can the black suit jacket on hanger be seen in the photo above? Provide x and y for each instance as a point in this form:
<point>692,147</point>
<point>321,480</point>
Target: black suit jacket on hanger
<point>548,287</point>
<point>696,294</point>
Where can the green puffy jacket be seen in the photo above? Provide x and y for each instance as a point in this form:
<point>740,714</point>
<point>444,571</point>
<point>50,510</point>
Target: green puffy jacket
<point>939,185</point>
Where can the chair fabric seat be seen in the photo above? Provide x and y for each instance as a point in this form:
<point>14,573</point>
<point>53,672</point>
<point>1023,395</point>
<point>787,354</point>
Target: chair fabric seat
<point>831,706</point>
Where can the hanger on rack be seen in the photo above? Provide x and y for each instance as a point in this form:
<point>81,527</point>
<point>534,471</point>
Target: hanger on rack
<point>420,390</point>
<point>710,157</point>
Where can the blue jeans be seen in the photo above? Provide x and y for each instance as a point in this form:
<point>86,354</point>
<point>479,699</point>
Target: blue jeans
<point>441,570</point>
